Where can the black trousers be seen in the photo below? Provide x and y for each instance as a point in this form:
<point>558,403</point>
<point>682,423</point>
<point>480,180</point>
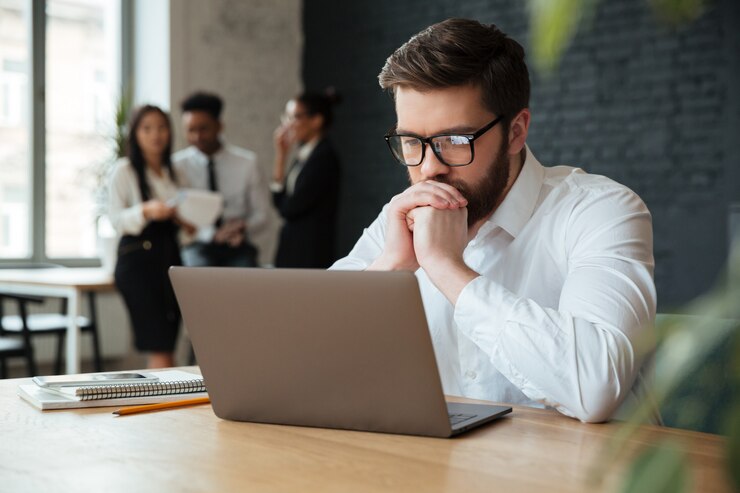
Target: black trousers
<point>200,254</point>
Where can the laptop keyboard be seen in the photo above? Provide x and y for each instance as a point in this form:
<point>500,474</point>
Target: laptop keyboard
<point>459,418</point>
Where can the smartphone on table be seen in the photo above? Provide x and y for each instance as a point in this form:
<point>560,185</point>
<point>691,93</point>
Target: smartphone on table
<point>87,379</point>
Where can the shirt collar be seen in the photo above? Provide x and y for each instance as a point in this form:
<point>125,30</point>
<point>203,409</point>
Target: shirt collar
<point>306,149</point>
<point>215,156</point>
<point>519,203</point>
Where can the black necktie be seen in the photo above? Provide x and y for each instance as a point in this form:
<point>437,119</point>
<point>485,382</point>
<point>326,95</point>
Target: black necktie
<point>212,183</point>
<point>212,175</point>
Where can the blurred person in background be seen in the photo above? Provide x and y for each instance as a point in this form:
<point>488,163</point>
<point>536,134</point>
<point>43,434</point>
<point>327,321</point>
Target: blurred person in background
<point>212,164</point>
<point>306,192</point>
<point>140,188</point>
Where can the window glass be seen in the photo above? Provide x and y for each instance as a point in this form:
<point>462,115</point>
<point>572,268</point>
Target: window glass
<point>82,88</point>
<point>15,155</point>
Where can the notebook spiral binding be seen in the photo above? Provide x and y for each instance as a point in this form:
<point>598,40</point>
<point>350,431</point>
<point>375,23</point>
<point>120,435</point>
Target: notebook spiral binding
<point>98,392</point>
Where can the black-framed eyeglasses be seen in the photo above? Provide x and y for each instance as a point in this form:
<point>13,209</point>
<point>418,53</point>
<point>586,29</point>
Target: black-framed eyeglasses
<point>451,149</point>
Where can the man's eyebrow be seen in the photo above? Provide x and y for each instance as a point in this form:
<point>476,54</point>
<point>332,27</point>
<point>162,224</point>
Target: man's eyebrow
<point>460,129</point>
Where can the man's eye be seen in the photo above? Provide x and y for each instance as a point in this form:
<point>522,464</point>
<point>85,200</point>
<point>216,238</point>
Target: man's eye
<point>459,140</point>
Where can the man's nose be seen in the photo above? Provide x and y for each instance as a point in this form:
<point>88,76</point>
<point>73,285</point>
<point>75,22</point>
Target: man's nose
<point>431,166</point>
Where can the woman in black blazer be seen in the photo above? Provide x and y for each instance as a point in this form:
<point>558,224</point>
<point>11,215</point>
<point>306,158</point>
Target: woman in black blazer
<point>306,193</point>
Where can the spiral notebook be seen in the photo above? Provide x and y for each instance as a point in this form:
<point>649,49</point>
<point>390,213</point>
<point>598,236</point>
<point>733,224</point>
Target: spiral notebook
<point>172,385</point>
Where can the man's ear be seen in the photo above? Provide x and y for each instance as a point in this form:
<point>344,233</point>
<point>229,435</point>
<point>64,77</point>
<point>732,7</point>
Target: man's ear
<point>518,130</point>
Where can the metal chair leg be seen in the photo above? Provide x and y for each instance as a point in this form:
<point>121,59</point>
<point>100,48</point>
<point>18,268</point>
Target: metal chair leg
<point>94,330</point>
<point>60,355</point>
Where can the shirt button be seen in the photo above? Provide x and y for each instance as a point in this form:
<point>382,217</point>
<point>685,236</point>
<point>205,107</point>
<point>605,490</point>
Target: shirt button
<point>471,374</point>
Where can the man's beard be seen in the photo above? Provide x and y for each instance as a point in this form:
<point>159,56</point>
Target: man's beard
<point>484,196</point>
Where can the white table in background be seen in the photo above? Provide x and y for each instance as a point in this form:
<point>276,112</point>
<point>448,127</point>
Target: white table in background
<point>70,283</point>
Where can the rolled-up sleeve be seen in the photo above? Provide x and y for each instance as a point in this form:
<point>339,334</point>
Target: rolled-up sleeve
<point>583,357</point>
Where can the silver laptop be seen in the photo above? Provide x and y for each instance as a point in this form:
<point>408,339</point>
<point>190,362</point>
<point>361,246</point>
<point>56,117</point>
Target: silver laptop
<point>330,349</point>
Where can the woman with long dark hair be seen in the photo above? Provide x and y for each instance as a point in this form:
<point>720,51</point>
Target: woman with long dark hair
<point>307,192</point>
<point>141,186</point>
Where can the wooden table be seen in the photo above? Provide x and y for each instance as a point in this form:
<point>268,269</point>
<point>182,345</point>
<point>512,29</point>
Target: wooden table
<point>69,283</point>
<point>191,450</point>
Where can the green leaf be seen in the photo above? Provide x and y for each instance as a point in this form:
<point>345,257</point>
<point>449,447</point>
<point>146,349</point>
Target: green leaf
<point>553,25</point>
<point>678,11</point>
<point>660,469</point>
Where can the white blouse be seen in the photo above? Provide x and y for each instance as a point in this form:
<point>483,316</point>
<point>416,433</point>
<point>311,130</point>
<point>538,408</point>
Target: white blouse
<point>125,204</point>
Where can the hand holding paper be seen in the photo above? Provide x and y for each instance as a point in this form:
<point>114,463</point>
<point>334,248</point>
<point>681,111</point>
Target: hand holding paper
<point>198,207</point>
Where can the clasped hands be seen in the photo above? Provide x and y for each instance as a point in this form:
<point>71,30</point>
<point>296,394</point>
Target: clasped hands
<point>428,228</point>
<point>232,232</point>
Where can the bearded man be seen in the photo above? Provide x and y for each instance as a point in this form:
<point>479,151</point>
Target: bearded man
<point>537,281</point>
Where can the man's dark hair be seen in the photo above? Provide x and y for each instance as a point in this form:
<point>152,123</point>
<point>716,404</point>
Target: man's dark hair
<point>458,52</point>
<point>203,101</point>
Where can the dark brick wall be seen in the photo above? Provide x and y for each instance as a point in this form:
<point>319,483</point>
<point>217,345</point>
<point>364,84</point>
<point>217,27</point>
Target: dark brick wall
<point>653,107</point>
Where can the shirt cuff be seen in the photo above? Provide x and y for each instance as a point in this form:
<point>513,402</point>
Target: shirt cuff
<point>276,187</point>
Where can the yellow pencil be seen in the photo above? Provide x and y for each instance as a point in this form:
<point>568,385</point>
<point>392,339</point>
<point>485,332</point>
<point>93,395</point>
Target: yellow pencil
<point>162,405</point>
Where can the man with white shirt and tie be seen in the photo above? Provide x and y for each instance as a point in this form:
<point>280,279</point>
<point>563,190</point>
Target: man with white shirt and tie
<point>211,164</point>
<point>537,281</point>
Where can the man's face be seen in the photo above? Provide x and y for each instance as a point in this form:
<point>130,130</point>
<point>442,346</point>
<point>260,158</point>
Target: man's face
<point>450,110</point>
<point>202,131</point>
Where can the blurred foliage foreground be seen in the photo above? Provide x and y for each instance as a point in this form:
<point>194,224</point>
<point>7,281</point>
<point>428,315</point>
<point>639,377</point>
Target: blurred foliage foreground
<point>697,386</point>
<point>697,373</point>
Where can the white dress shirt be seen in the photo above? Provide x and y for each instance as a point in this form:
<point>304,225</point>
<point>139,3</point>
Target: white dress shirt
<point>238,179</point>
<point>125,209</point>
<point>565,292</point>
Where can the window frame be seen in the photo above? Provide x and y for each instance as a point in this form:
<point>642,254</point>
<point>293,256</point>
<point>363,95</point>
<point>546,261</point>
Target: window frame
<point>37,129</point>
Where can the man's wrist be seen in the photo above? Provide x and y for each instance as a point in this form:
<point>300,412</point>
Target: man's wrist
<point>449,275</point>
<point>389,264</point>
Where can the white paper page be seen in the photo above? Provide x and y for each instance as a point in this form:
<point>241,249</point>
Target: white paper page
<point>198,207</point>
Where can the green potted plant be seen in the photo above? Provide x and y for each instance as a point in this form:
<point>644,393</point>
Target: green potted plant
<point>116,137</point>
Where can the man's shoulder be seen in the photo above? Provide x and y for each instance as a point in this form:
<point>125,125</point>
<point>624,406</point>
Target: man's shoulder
<point>240,153</point>
<point>575,188</point>
<point>576,180</point>
<point>184,156</point>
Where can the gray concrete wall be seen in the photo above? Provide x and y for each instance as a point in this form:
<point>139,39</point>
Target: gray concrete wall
<point>249,52</point>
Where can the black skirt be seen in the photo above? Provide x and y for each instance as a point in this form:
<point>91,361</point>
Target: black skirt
<point>142,279</point>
